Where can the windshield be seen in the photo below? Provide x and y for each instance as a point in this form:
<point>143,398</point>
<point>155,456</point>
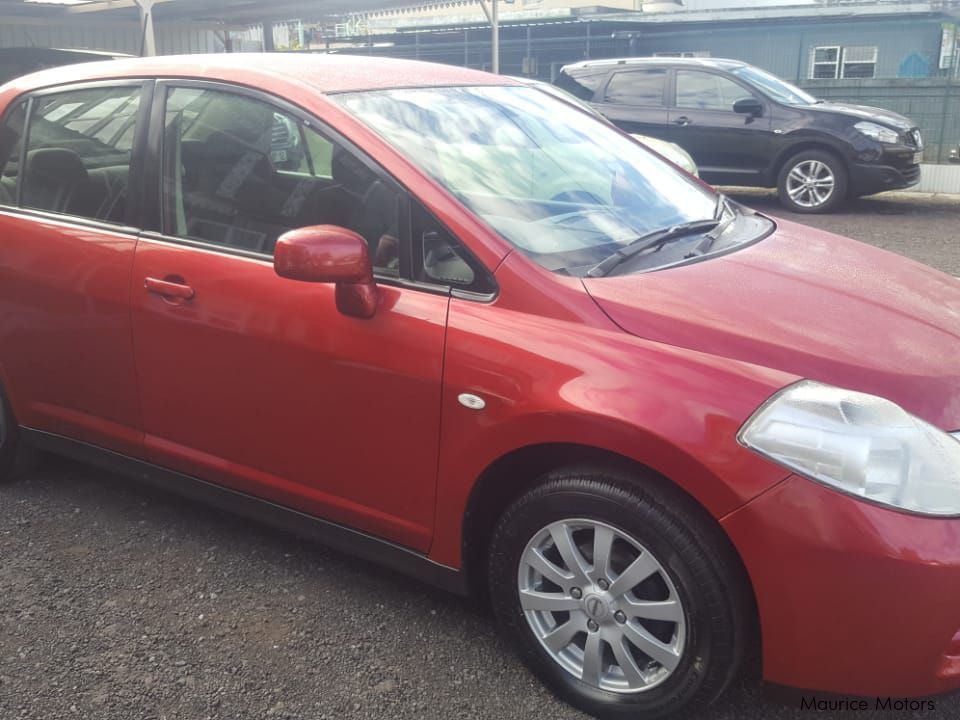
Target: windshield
<point>563,187</point>
<point>778,89</point>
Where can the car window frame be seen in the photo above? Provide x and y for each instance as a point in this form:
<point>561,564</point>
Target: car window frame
<point>133,220</point>
<point>711,71</point>
<point>601,96</point>
<point>153,187</point>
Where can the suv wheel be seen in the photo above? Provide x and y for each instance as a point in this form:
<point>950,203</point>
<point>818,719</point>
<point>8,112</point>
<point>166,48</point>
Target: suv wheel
<point>623,606</point>
<point>812,181</point>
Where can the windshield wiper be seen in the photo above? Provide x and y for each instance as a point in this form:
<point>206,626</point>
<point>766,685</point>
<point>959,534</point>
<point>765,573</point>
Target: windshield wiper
<point>649,241</point>
<point>723,209</point>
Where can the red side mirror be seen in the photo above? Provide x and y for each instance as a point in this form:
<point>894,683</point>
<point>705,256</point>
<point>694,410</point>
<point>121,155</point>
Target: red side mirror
<point>330,254</point>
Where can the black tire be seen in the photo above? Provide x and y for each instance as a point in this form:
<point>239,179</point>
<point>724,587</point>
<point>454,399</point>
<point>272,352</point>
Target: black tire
<point>807,202</point>
<point>11,453</point>
<point>691,549</point>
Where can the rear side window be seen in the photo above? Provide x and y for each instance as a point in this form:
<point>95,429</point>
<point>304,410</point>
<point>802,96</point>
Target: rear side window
<point>637,87</point>
<point>582,82</point>
<point>79,145</point>
<point>11,140</point>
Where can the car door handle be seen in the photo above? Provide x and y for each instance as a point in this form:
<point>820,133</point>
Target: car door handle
<point>682,120</point>
<point>169,288</point>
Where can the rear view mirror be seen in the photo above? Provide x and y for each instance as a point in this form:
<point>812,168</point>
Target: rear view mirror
<point>330,254</point>
<point>748,106</point>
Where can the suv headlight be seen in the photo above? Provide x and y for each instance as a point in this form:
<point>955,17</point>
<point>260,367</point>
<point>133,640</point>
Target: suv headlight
<point>878,132</point>
<point>859,444</point>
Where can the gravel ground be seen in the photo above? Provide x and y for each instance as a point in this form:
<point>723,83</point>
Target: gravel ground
<point>117,601</point>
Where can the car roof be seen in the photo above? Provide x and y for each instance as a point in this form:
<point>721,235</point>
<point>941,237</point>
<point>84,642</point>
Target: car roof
<point>323,73</point>
<point>721,63</point>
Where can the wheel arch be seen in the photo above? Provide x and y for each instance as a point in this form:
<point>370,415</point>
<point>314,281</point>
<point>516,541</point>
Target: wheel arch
<point>803,146</point>
<point>519,470</point>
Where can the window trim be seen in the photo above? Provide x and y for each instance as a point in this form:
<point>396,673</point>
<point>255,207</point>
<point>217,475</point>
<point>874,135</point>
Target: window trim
<point>153,186</point>
<point>133,220</point>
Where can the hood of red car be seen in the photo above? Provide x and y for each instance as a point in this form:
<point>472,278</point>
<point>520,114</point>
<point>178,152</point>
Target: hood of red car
<point>813,304</point>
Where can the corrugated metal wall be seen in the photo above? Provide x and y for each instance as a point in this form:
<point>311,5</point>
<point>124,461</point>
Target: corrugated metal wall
<point>118,38</point>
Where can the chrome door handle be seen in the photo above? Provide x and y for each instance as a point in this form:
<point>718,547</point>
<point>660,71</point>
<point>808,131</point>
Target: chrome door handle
<point>683,120</point>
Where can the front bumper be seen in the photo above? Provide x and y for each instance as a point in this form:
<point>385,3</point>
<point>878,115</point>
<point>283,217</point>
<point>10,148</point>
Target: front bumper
<point>895,169</point>
<point>854,598</point>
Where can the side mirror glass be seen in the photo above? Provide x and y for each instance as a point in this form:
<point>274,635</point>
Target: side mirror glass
<point>748,106</point>
<point>330,254</point>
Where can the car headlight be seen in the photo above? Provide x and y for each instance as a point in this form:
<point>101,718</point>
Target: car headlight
<point>859,444</point>
<point>878,132</point>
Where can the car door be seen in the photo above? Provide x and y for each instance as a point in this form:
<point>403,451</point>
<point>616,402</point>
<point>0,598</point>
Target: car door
<point>635,100</point>
<point>69,202</point>
<point>728,147</point>
<point>257,382</point>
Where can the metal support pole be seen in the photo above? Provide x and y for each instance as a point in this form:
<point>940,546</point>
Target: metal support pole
<point>491,12</point>
<point>268,36</point>
<point>148,46</point>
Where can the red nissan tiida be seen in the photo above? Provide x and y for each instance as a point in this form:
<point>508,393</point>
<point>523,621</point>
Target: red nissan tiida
<point>438,319</point>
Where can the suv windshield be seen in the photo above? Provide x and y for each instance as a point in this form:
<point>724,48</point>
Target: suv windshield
<point>563,187</point>
<point>774,87</point>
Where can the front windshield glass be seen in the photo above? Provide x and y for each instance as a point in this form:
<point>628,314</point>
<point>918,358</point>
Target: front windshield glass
<point>563,187</point>
<point>773,86</point>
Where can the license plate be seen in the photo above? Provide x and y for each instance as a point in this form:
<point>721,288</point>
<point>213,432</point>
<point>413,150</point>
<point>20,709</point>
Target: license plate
<point>278,155</point>
<point>917,157</point>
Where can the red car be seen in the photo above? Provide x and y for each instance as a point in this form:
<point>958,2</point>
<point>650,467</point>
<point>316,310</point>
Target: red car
<point>442,321</point>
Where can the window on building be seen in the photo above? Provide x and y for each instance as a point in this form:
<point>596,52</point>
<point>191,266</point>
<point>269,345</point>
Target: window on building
<point>637,87</point>
<point>833,62</point>
<point>825,63</point>
<point>79,146</point>
<point>706,91</point>
<point>859,62</point>
<point>684,54</point>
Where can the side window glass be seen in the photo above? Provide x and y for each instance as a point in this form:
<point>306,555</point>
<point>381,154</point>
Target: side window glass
<point>583,82</point>
<point>637,87</point>
<point>238,172</point>
<point>440,258</point>
<point>705,91</point>
<point>11,140</point>
<point>79,145</point>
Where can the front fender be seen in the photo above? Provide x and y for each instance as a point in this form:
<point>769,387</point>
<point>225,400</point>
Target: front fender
<point>549,380</point>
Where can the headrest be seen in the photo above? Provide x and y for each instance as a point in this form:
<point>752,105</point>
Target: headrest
<point>59,163</point>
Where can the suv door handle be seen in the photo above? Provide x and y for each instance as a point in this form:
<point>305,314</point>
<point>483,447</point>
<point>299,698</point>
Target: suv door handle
<point>171,288</point>
<point>682,120</point>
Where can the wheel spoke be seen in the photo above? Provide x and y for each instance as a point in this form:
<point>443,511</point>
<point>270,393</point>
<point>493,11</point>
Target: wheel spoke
<point>547,602</point>
<point>663,654</point>
<point>602,544</point>
<point>551,572</point>
<point>562,635</point>
<point>668,610</point>
<point>638,571</point>
<point>575,562</point>
<point>627,663</point>
<point>592,659</point>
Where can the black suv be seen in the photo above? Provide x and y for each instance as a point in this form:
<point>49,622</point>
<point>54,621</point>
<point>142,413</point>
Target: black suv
<point>744,126</point>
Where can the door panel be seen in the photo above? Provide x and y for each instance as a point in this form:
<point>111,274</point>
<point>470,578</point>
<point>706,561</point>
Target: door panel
<point>728,147</point>
<point>65,329</point>
<point>260,384</point>
<point>633,100</point>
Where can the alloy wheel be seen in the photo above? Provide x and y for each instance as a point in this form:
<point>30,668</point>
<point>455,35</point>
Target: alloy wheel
<point>811,183</point>
<point>601,605</point>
